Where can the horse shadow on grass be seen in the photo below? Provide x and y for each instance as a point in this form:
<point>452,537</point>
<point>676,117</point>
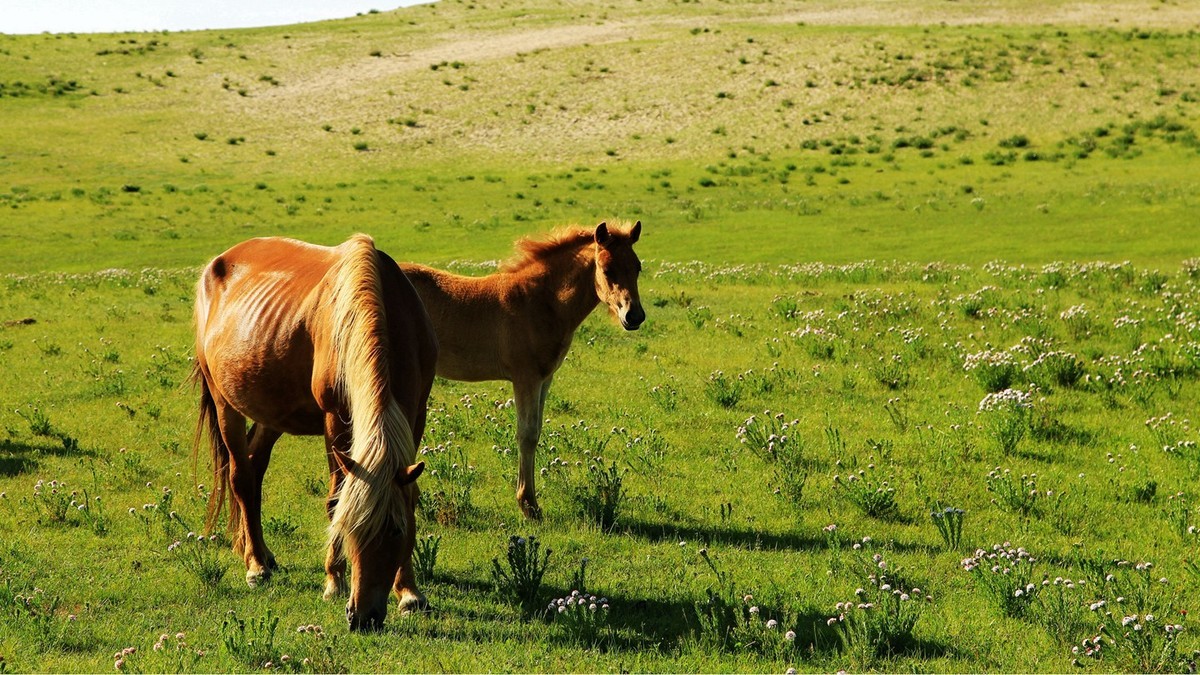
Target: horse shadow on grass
<point>640,623</point>
<point>739,537</point>
<point>636,623</point>
<point>726,535</point>
<point>18,457</point>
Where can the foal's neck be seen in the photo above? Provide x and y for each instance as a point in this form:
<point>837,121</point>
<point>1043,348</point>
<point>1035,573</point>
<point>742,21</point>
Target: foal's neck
<point>568,281</point>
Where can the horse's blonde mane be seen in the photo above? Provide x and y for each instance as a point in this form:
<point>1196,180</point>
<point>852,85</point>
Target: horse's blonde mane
<point>382,440</point>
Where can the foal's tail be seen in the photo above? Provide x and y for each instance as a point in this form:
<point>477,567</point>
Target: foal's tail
<point>382,443</point>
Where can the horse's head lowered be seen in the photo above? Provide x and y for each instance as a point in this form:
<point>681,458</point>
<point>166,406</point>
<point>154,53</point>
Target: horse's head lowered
<point>376,552</point>
<point>617,269</point>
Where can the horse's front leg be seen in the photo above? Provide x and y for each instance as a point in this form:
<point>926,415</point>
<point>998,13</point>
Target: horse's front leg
<point>337,439</point>
<point>411,599</point>
<point>530,397</point>
<point>261,440</point>
<point>246,485</point>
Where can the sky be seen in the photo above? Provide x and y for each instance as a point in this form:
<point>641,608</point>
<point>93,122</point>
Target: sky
<point>109,16</point>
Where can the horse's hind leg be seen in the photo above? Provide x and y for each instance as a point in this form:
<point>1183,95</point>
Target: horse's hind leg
<point>261,440</point>
<point>530,397</point>
<point>246,485</point>
<point>337,439</point>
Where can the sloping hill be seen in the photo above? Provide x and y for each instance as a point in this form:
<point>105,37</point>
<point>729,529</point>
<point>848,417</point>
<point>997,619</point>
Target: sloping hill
<point>749,106</point>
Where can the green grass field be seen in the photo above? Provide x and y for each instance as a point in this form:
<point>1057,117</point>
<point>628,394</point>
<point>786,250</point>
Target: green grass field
<point>866,219</point>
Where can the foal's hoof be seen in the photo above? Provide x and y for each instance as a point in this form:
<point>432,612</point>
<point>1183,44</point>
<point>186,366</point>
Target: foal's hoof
<point>258,577</point>
<point>531,511</point>
<point>414,603</point>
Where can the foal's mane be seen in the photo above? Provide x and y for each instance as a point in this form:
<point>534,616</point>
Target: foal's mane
<point>532,251</point>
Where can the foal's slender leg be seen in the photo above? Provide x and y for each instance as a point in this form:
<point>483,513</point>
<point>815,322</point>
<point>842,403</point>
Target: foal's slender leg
<point>337,439</point>
<point>530,397</point>
<point>261,440</point>
<point>246,487</point>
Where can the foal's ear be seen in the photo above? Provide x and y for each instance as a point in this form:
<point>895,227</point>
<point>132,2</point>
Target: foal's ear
<point>603,237</point>
<point>635,232</point>
<point>410,474</point>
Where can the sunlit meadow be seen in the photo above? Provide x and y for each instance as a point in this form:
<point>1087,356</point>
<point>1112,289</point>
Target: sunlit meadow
<point>914,392</point>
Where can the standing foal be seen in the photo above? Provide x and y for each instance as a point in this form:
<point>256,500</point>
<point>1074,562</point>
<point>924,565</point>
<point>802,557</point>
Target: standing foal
<point>517,324</point>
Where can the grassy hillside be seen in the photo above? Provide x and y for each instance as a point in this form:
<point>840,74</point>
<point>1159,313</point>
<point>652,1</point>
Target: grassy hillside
<point>834,131</point>
<point>826,189</point>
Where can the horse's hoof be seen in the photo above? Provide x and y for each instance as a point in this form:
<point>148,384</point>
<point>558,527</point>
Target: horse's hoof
<point>414,603</point>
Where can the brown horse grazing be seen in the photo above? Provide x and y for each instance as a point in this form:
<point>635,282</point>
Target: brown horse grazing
<point>305,339</point>
<point>517,324</point>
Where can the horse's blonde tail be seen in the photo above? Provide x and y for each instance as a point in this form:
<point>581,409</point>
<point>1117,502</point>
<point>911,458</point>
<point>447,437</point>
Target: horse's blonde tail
<point>381,436</point>
<point>207,424</point>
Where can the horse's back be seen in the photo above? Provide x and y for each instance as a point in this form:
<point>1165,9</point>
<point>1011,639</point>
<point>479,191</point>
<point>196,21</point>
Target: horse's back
<point>263,332</point>
<point>253,308</point>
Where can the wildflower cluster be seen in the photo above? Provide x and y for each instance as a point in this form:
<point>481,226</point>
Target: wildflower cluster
<point>993,370</point>
<point>175,655</point>
<point>201,557</point>
<point>665,395</point>
<point>52,499</point>
<point>1078,321</point>
<point>880,619</point>
<point>322,656</point>
<point>425,554</point>
<point>1005,574</point>
<point>521,577</point>
<point>766,436</point>
<point>874,495</point>
<point>120,658</point>
<point>1055,368</point>
<point>252,642</point>
<point>949,523</point>
<point>37,611</point>
<point>448,502</point>
<point>594,487</point>
<point>1014,495</point>
<point>890,371</point>
<point>1061,608</point>
<point>1006,399</point>
<point>817,342</point>
<point>1137,642</point>
<point>159,513</point>
<point>1006,416</point>
<point>599,496</point>
<point>1171,434</point>
<point>770,637</point>
<point>977,303</point>
<point>583,617</point>
<point>723,390</point>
